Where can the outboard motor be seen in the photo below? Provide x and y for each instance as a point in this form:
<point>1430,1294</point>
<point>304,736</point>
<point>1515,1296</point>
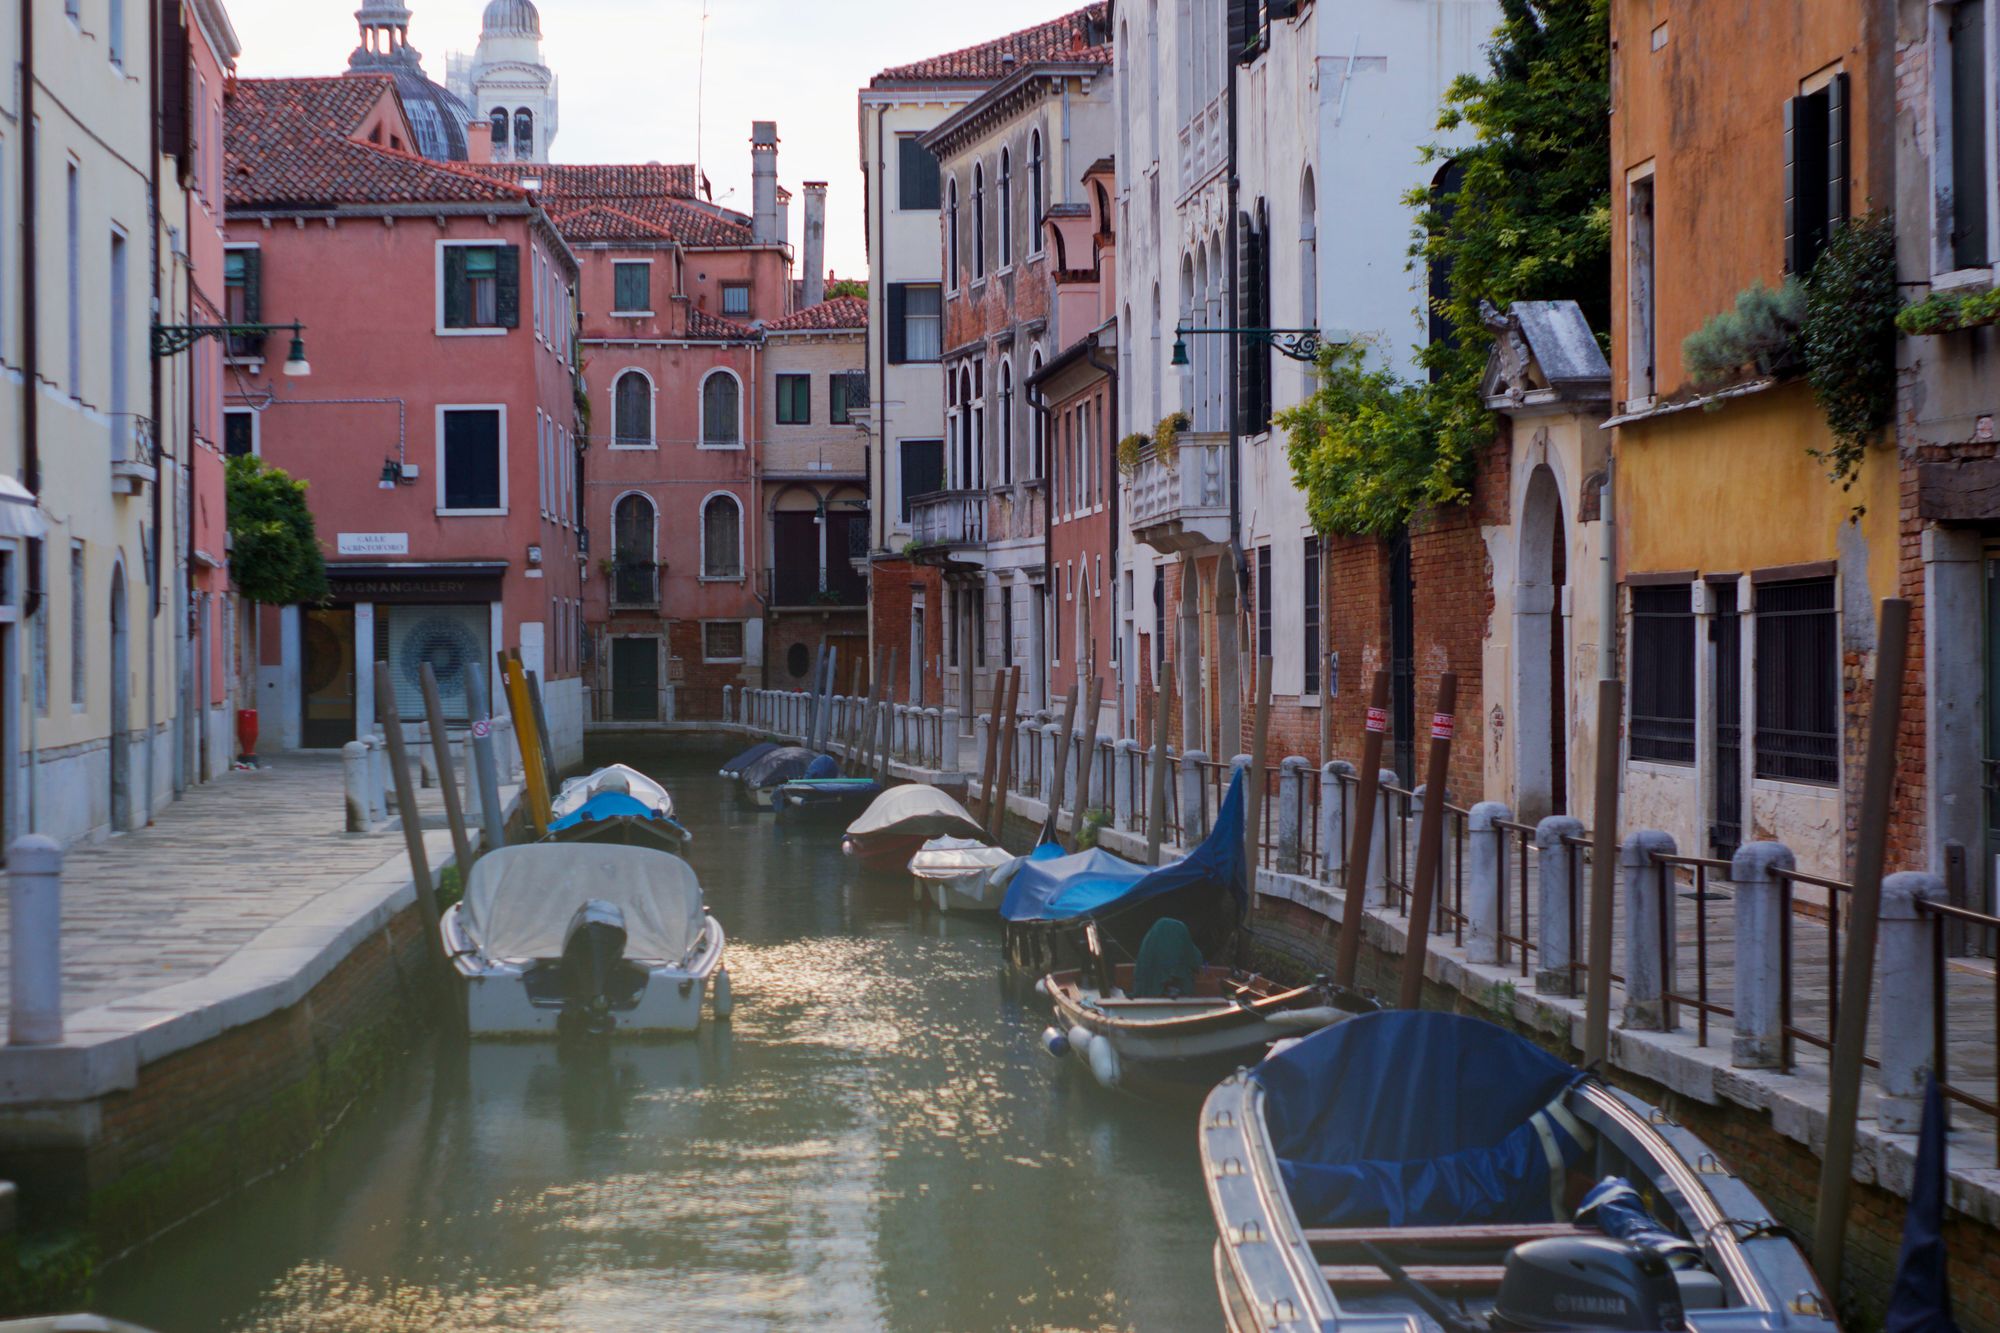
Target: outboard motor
<point>592,959</point>
<point>1587,1282</point>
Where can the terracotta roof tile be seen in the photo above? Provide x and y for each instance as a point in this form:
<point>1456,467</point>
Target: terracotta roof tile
<point>841,312</point>
<point>658,200</point>
<point>705,327</point>
<point>290,145</point>
<point>1080,36</point>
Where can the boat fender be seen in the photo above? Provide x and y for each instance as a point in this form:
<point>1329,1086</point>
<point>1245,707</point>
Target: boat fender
<point>1104,1060</point>
<point>720,1001</point>
<point>1079,1040</point>
<point>1042,987</point>
<point>1280,1046</point>
<point>1055,1042</point>
<point>1305,1020</point>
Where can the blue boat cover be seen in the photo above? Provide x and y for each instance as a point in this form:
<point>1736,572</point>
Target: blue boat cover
<point>823,767</point>
<point>777,765</point>
<point>607,805</point>
<point>735,767</point>
<point>1416,1118</point>
<point>1920,1300</point>
<point>1614,1207</point>
<point>1053,887</point>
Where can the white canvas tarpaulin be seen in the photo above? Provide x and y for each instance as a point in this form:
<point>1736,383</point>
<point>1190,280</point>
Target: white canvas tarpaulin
<point>521,899</point>
<point>915,809</point>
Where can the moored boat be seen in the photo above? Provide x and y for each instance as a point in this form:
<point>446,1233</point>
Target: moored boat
<point>825,798</point>
<point>762,776</point>
<point>1052,898</point>
<point>571,940</point>
<point>620,805</point>
<point>1129,1028</point>
<point>900,821</point>
<point>956,874</point>
<point>1419,1170</point>
<point>733,769</point>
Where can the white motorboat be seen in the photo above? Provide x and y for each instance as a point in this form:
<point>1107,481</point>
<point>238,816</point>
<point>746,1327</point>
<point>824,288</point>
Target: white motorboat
<point>619,778</point>
<point>956,874</point>
<point>578,939</point>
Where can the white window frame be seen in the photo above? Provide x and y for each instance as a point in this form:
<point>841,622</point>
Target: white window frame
<point>438,423</point>
<point>652,411</point>
<point>630,314</point>
<point>256,429</point>
<point>701,425</point>
<point>437,284</point>
<point>741,628</point>
<point>701,520</point>
<point>1943,275</point>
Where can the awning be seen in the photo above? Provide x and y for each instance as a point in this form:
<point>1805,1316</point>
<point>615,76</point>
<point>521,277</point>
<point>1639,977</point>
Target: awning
<point>20,517</point>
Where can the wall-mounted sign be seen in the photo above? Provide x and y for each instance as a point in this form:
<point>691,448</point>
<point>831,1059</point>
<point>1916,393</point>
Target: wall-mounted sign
<point>373,543</point>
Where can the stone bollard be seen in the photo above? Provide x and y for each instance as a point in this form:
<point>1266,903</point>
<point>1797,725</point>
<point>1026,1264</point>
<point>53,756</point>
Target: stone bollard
<point>1047,737</point>
<point>1649,930</point>
<point>933,738</point>
<point>1909,991</point>
<point>728,698</point>
<point>1485,852</point>
<point>982,726</point>
<point>354,781</point>
<point>34,945</point>
<point>1386,827</point>
<point>427,770</point>
<point>378,779</point>
<point>948,739</point>
<point>1759,1041</point>
<point>1193,827</point>
<point>1334,836</point>
<point>1124,782</point>
<point>1555,943</point>
<point>1292,770</point>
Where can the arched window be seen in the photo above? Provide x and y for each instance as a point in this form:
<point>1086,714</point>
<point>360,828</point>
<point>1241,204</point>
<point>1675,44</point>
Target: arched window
<point>1006,208</point>
<point>1308,253</point>
<point>632,411</point>
<point>1005,445</point>
<point>1035,192</point>
<point>524,134</point>
<point>721,411</point>
<point>721,537</point>
<point>1038,430</point>
<point>978,220</point>
<point>951,234</point>
<point>1197,279</point>
<point>499,127</point>
<point>966,476</point>
<point>635,581</point>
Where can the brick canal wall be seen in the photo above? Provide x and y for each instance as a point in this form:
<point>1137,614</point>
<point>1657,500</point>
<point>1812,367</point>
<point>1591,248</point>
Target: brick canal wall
<point>1292,941</point>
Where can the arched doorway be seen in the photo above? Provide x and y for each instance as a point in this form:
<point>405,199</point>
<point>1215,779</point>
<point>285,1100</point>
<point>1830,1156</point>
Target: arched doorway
<point>122,812</point>
<point>1541,672</point>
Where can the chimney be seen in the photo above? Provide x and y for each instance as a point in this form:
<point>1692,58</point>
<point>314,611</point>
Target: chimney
<point>814,262</point>
<point>478,140</point>
<point>764,182</point>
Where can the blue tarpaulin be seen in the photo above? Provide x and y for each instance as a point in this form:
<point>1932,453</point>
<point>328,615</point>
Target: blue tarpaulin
<point>823,767</point>
<point>734,768</point>
<point>607,805</point>
<point>1052,887</point>
<point>1415,1118</point>
<point>1920,1300</point>
<point>778,765</point>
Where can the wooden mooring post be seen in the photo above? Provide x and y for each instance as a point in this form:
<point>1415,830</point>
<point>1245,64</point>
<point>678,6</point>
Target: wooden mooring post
<point>447,775</point>
<point>1057,782</point>
<point>1085,756</point>
<point>1253,813</point>
<point>406,805</point>
<point>1156,788</point>
<point>1354,882</point>
<point>1430,843</point>
<point>1603,873</point>
<point>989,764</point>
<point>996,812</point>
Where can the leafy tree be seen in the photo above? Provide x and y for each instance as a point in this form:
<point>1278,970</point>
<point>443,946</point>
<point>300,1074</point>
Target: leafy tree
<point>1530,219</point>
<point>276,557</point>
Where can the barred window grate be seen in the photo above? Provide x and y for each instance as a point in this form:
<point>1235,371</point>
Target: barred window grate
<point>1663,673</point>
<point>1798,682</point>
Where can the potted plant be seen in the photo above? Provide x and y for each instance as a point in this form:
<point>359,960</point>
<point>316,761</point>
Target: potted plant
<point>1167,436</point>
<point>1129,449</point>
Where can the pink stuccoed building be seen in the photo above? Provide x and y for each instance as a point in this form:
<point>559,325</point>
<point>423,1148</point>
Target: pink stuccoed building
<point>439,430</point>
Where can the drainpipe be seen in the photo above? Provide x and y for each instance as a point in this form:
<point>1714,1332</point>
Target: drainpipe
<point>31,416</point>
<point>157,600</point>
<point>1607,653</point>
<point>1109,369</point>
<point>1069,184</point>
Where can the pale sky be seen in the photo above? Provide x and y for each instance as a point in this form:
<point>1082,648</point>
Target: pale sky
<point>626,71</point>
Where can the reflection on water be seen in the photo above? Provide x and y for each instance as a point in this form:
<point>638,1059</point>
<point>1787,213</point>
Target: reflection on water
<point>875,1141</point>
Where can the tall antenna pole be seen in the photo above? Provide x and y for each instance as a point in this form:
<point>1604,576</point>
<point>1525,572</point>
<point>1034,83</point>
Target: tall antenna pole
<point>700,74</point>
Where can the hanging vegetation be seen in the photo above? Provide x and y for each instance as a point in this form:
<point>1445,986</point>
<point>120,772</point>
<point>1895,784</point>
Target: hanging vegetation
<point>1529,217</point>
<point>1848,338</point>
<point>1757,338</point>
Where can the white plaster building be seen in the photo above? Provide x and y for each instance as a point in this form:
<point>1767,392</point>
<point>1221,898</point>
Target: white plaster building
<point>506,83</point>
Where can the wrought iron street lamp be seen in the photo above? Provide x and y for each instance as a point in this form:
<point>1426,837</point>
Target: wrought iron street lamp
<point>1298,344</point>
<point>173,339</point>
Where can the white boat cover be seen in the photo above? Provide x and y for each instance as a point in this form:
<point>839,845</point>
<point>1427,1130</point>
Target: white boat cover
<point>521,899</point>
<point>915,809</point>
<point>580,789</point>
<point>954,858</point>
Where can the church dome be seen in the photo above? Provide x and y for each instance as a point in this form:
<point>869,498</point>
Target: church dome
<point>509,18</point>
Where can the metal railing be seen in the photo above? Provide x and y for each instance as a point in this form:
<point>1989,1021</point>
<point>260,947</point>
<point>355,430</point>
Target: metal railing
<point>948,518</point>
<point>1942,916</point>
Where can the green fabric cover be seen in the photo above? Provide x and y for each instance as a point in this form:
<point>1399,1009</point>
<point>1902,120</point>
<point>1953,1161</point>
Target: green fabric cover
<point>1167,958</point>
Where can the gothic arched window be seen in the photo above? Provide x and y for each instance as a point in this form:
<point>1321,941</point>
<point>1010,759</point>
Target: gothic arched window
<point>499,127</point>
<point>524,134</point>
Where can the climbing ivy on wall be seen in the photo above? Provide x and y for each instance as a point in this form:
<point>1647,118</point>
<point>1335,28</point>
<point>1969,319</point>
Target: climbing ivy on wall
<point>1530,219</point>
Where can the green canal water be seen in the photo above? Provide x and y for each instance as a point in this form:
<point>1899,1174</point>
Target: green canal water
<point>875,1141</point>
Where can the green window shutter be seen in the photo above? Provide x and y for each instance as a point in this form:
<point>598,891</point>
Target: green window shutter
<point>1791,186</point>
<point>253,286</point>
<point>1836,153</point>
<point>898,344</point>
<point>457,302</point>
<point>508,297</point>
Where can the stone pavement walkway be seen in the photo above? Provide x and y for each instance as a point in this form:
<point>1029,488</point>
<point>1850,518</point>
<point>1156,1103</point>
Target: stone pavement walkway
<point>171,902</point>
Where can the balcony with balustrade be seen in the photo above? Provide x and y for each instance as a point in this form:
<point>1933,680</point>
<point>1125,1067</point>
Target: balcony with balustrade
<point>949,528</point>
<point>1181,502</point>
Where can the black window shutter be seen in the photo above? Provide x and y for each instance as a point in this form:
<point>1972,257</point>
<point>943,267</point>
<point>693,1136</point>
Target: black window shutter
<point>1265,355</point>
<point>1836,153</point>
<point>175,86</point>
<point>457,311</point>
<point>1280,9</point>
<point>1246,268</point>
<point>1791,185</point>
<point>507,297</point>
<point>253,286</point>
<point>1242,30</point>
<point>898,344</point>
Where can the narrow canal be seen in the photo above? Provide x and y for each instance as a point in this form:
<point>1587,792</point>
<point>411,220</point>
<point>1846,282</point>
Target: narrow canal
<point>875,1141</point>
